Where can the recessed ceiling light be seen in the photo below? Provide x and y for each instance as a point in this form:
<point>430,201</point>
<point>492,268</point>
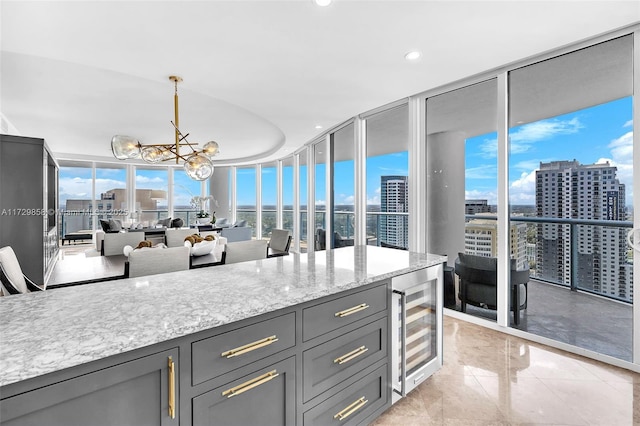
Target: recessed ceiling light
<point>318,127</point>
<point>323,2</point>
<point>413,55</point>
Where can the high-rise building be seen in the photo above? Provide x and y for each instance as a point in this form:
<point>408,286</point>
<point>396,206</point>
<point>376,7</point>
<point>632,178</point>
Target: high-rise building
<point>568,189</point>
<point>393,229</point>
<point>476,206</point>
<point>481,239</point>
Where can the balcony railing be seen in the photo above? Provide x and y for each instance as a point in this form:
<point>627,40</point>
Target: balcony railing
<point>584,256</point>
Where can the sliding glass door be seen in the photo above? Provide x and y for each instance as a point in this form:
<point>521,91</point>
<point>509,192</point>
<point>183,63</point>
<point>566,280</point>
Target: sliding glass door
<point>571,194</point>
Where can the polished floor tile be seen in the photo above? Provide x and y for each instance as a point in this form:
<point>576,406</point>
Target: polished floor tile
<point>491,378</point>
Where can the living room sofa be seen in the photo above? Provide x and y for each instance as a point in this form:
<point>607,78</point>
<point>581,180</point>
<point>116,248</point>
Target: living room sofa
<point>238,233</point>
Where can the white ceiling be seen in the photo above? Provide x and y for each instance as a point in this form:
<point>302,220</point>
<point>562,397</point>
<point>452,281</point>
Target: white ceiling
<point>258,75</point>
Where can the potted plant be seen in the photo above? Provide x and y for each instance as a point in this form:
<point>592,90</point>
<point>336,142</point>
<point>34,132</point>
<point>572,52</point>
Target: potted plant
<point>203,216</point>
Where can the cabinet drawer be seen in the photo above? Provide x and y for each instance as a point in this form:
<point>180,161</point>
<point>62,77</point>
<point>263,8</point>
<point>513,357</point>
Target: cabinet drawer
<point>225,352</point>
<point>325,317</point>
<point>353,404</point>
<point>266,397</point>
<point>330,363</point>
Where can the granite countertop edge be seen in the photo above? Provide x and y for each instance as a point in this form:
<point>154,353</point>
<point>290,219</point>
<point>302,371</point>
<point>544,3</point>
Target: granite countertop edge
<point>66,327</point>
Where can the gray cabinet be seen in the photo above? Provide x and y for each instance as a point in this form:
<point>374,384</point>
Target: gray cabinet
<point>29,204</point>
<point>345,358</point>
<point>137,393</point>
<point>264,397</point>
<point>353,404</point>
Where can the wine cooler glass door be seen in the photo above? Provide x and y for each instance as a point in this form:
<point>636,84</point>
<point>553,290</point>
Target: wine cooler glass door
<point>414,330</point>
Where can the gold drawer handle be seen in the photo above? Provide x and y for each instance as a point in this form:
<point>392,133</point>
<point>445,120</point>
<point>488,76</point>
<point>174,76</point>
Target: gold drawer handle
<point>250,347</point>
<point>351,355</point>
<point>350,311</point>
<point>172,389</point>
<point>352,408</point>
<point>237,390</point>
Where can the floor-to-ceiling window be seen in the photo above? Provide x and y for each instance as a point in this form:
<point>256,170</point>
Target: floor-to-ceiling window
<point>246,196</point>
<point>462,175</point>
<point>320,194</point>
<point>343,186</point>
<point>151,196</point>
<point>287,194</point>
<point>185,201</point>
<point>75,189</point>
<point>303,199</point>
<point>111,193</point>
<point>269,191</point>
<point>387,181</point>
<point>571,178</point>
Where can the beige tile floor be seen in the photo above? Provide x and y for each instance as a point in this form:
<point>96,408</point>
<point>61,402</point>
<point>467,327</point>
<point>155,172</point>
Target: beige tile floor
<point>491,378</point>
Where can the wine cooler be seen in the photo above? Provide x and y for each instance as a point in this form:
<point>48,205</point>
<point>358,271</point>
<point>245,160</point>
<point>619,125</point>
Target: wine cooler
<point>416,328</point>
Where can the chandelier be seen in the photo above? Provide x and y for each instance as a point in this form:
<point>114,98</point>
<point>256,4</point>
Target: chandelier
<point>197,163</point>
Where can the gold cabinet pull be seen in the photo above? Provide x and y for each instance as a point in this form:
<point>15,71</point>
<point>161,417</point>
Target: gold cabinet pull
<point>172,389</point>
<point>351,408</point>
<point>351,355</point>
<point>250,384</point>
<point>250,347</point>
<point>353,310</point>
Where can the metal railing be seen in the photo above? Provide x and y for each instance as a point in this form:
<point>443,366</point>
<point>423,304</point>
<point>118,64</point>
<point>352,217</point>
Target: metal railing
<point>577,230</point>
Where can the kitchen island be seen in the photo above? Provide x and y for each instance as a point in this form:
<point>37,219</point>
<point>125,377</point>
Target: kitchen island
<point>100,335</point>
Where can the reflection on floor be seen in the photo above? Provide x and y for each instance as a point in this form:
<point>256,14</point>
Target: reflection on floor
<point>580,319</point>
<point>491,378</point>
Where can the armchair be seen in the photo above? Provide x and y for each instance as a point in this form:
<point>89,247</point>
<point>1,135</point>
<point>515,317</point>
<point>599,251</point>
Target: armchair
<point>12,280</point>
<point>279,243</point>
<point>478,283</point>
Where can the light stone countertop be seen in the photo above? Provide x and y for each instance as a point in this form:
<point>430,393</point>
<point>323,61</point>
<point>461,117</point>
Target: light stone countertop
<point>55,329</point>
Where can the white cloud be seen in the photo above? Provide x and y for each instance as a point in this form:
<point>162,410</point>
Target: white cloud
<point>622,159</point>
<point>545,129</point>
<point>476,194</point>
<point>156,182</point>
<point>104,185</point>
<point>523,190</point>
<point>344,199</point>
<point>628,124</point>
<point>373,200</point>
<point>489,148</point>
<point>526,136</point>
<point>485,171</point>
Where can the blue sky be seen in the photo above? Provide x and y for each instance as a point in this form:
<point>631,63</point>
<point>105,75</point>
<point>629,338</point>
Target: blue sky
<point>593,135</point>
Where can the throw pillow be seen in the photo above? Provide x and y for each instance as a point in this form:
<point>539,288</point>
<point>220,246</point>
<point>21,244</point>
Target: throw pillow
<point>165,222</point>
<point>105,225</point>
<point>115,225</point>
<point>177,223</point>
<point>240,224</point>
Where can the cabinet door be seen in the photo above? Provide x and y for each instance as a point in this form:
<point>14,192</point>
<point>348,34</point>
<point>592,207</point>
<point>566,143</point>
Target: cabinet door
<point>133,393</point>
<point>266,397</point>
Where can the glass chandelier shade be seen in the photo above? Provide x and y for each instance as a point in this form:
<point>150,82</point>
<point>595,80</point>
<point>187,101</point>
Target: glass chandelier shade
<point>197,163</point>
<point>151,154</point>
<point>125,147</point>
<point>198,167</point>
